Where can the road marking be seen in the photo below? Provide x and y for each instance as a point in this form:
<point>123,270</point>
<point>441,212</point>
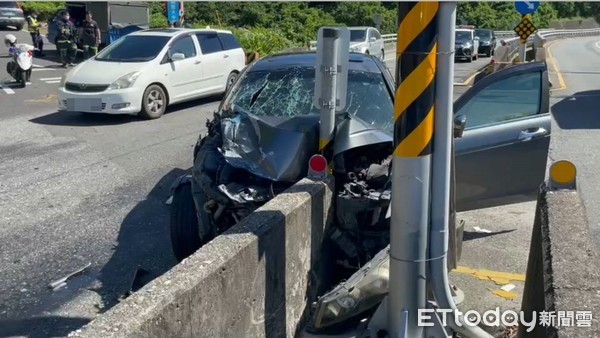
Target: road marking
<point>42,69</point>
<point>51,79</point>
<point>7,90</point>
<point>554,64</point>
<point>598,44</point>
<point>500,278</point>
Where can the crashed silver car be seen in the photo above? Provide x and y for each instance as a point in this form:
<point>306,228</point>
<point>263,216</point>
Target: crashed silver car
<point>266,129</point>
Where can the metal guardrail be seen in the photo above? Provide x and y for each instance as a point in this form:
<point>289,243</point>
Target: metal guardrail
<point>510,36</point>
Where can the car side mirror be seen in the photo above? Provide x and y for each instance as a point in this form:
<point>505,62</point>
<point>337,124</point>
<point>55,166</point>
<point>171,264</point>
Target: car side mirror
<point>177,57</point>
<point>460,121</point>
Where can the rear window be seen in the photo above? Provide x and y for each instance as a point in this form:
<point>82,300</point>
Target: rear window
<point>209,43</point>
<point>8,4</point>
<point>229,41</point>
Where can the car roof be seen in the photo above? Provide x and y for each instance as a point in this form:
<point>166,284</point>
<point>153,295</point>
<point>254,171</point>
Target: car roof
<point>177,31</point>
<point>358,62</point>
<point>464,30</point>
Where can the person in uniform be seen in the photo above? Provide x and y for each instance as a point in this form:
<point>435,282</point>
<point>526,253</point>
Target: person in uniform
<point>34,30</point>
<point>89,35</point>
<point>66,42</point>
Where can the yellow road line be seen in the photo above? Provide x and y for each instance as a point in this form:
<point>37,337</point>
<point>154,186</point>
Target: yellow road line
<point>500,278</point>
<point>554,64</point>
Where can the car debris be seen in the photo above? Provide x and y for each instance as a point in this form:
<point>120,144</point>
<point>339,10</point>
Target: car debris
<point>59,283</point>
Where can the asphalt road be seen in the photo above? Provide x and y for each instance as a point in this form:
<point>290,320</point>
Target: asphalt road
<point>576,129</point>
<point>78,189</point>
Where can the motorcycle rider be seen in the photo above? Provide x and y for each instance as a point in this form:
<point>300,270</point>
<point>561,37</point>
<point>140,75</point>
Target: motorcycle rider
<point>66,42</point>
<point>34,30</point>
<point>89,35</point>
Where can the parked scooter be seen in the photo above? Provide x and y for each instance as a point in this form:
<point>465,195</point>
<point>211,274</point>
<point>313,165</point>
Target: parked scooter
<point>20,66</point>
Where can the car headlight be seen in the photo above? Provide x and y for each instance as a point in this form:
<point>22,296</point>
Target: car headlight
<point>362,291</point>
<point>466,45</point>
<point>486,43</point>
<point>125,81</point>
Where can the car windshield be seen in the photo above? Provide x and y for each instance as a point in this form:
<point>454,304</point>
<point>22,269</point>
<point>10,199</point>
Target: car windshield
<point>134,48</point>
<point>484,34</point>
<point>358,35</point>
<point>463,36</point>
<point>289,92</point>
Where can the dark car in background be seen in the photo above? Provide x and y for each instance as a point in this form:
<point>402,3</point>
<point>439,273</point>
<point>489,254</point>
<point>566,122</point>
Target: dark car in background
<point>487,41</point>
<point>11,14</point>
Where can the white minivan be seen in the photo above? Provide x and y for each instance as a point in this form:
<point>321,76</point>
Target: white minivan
<point>145,71</point>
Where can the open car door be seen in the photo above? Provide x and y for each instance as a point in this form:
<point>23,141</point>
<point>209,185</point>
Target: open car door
<point>505,123</point>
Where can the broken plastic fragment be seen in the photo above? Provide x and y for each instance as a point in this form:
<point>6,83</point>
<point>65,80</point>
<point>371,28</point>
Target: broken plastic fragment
<point>485,231</point>
<point>508,287</point>
<point>62,282</point>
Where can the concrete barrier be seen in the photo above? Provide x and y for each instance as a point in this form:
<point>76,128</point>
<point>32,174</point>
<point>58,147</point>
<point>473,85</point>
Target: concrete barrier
<point>255,280</point>
<point>563,271</point>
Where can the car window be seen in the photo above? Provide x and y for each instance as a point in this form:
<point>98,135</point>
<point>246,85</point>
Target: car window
<point>209,43</point>
<point>376,35</point>
<point>8,4</point>
<point>228,41</point>
<point>289,92</point>
<point>508,99</point>
<point>462,35</point>
<point>134,48</point>
<point>185,46</point>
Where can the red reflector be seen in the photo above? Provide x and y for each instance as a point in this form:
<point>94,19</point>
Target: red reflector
<point>317,163</point>
<point>30,53</point>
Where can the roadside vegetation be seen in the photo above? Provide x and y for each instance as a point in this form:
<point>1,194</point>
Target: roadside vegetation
<point>268,27</point>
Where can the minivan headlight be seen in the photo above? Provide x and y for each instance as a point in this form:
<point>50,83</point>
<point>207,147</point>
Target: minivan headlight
<point>125,81</point>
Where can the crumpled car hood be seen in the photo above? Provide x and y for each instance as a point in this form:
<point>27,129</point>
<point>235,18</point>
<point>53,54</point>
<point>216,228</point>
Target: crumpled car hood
<point>275,148</point>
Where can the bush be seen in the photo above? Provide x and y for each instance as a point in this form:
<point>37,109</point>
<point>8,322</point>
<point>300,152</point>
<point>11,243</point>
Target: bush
<point>45,9</point>
<point>157,20</point>
<point>262,40</point>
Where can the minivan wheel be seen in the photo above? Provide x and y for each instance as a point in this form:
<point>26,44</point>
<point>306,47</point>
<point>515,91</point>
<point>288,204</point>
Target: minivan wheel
<point>154,102</point>
<point>185,239</point>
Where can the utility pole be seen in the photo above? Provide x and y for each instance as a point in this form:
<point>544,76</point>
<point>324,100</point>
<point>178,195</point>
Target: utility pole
<point>413,138</point>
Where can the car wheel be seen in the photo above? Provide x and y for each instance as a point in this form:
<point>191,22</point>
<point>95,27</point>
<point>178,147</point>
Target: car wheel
<point>185,238</point>
<point>230,80</point>
<point>154,102</point>
<point>19,27</point>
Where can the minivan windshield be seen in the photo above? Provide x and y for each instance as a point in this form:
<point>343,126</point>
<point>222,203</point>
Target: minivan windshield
<point>289,92</point>
<point>484,34</point>
<point>357,35</point>
<point>463,36</point>
<point>134,48</point>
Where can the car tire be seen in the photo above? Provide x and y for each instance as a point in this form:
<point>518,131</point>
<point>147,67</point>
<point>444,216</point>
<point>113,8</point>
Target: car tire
<point>185,238</point>
<point>230,80</point>
<point>154,102</point>
<point>19,27</point>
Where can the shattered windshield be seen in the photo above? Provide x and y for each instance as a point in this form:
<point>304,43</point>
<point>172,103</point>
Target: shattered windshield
<point>289,92</point>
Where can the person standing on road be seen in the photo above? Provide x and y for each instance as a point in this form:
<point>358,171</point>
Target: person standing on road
<point>66,44</point>
<point>89,35</point>
<point>501,56</point>
<point>34,30</point>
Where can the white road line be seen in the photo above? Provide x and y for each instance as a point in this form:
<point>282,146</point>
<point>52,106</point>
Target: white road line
<point>42,69</point>
<point>598,44</point>
<point>7,90</point>
<point>50,79</point>
<point>53,81</point>
<point>36,66</point>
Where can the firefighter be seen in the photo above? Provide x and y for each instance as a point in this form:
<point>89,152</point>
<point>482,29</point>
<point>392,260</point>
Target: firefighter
<point>89,35</point>
<point>66,41</point>
<point>34,30</point>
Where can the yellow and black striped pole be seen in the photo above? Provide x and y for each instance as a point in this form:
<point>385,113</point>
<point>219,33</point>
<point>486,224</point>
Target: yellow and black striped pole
<point>413,138</point>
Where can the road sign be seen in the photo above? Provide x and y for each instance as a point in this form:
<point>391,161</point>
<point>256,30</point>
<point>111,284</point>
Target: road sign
<point>527,7</point>
<point>525,28</point>
<point>173,13</point>
<point>377,19</point>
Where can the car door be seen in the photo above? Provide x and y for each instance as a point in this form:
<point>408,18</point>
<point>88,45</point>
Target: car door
<point>215,61</point>
<point>372,45</point>
<point>502,154</point>
<point>184,75</point>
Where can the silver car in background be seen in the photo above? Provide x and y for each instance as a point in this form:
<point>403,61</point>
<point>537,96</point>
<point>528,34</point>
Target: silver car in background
<point>366,40</point>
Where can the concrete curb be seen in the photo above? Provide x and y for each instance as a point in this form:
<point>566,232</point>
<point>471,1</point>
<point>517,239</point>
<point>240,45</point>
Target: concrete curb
<point>255,280</point>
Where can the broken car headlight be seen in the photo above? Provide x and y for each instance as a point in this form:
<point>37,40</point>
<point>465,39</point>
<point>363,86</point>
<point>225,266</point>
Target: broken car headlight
<point>365,289</point>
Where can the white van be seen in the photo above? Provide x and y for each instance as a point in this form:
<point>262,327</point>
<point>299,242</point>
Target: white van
<point>146,71</point>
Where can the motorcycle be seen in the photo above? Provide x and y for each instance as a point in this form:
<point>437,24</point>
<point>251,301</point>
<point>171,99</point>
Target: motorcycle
<point>20,67</point>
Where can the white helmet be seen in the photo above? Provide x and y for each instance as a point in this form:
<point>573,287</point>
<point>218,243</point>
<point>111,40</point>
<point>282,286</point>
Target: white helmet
<point>10,40</point>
